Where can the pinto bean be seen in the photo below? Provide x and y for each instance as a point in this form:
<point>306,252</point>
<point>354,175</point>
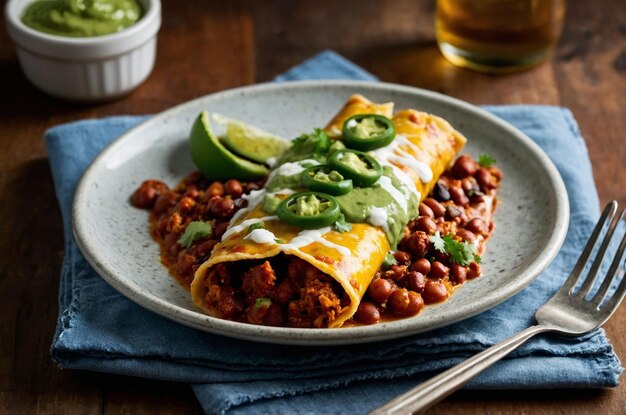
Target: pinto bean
<point>224,208</point>
<point>466,235</point>
<point>458,273</point>
<point>485,179</point>
<point>367,313</point>
<point>458,196</point>
<point>415,281</point>
<point>422,266</point>
<point>434,292</point>
<point>424,210</point>
<point>166,200</point>
<point>417,244</point>
<point>403,258</point>
<point>233,188</point>
<point>464,166</point>
<point>396,273</point>
<point>215,189</point>
<point>146,195</point>
<point>192,192</point>
<point>380,289</point>
<point>404,303</point>
<point>438,270</point>
<point>474,270</point>
<point>426,224</point>
<point>436,207</point>
<point>477,226</point>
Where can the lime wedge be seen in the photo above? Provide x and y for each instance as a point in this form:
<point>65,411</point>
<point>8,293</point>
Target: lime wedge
<point>214,160</point>
<point>251,142</point>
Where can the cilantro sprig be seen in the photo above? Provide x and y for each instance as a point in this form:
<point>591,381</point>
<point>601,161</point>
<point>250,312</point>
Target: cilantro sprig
<point>195,230</point>
<point>460,252</point>
<point>485,160</point>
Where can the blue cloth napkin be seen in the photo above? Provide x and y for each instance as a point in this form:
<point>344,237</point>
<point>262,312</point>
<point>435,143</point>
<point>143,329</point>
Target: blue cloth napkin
<point>99,329</point>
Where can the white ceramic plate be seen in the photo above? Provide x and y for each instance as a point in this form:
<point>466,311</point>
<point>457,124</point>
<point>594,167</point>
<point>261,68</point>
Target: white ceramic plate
<point>531,221</point>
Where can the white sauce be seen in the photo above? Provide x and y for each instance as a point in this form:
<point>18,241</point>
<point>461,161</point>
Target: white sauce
<point>261,236</point>
<point>309,236</point>
<point>244,225</point>
<point>394,152</point>
<point>387,185</point>
<point>405,180</point>
<point>377,216</point>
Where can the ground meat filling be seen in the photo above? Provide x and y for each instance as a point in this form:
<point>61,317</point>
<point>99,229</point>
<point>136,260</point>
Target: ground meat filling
<point>281,291</point>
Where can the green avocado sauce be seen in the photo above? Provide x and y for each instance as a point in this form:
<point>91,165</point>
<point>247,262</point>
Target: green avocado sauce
<point>356,204</point>
<point>81,18</point>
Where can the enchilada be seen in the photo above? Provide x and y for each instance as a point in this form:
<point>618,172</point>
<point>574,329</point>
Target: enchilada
<point>269,269</point>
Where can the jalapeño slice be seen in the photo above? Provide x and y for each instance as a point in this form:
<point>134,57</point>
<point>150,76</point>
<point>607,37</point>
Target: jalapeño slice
<point>362,168</point>
<point>322,178</point>
<point>368,132</point>
<point>309,210</point>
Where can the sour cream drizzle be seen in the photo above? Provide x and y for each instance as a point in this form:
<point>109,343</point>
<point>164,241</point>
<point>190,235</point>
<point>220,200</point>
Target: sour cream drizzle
<point>261,236</point>
<point>244,225</point>
<point>378,217</point>
<point>309,236</point>
<point>398,196</point>
<point>393,152</point>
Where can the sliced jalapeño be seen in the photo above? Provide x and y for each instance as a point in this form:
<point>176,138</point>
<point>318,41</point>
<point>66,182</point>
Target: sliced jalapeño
<point>309,210</point>
<point>362,168</point>
<point>322,178</point>
<point>368,132</point>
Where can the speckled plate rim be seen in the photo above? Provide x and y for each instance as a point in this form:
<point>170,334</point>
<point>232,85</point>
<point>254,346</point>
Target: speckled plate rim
<point>351,335</point>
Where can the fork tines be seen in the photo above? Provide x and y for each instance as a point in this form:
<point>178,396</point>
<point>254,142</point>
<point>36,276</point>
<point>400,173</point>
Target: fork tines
<point>608,215</point>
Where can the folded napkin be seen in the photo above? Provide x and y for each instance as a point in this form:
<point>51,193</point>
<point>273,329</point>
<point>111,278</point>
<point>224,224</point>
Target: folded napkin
<point>99,329</point>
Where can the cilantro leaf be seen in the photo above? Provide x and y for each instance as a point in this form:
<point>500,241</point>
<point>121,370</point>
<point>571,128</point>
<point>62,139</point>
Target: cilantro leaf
<point>485,160</point>
<point>308,146</point>
<point>389,260</point>
<point>262,302</point>
<point>193,231</point>
<point>256,225</point>
<point>438,242</point>
<point>460,252</point>
<point>322,142</point>
<point>341,225</point>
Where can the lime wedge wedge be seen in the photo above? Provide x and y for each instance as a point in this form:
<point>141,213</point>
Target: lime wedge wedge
<point>214,160</point>
<point>251,142</point>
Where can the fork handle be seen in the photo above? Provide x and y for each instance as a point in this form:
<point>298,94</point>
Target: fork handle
<point>432,391</point>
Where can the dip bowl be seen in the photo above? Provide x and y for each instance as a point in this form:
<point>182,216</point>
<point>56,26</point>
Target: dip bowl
<point>96,68</point>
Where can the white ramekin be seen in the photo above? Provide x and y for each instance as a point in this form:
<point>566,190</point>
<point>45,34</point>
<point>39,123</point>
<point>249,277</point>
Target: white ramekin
<point>89,68</point>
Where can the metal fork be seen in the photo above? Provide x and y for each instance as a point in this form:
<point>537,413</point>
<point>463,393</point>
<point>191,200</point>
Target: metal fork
<point>569,312</point>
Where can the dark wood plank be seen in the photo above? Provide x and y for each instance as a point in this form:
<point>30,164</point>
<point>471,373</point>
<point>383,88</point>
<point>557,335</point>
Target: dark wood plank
<point>193,60</point>
<point>210,46</point>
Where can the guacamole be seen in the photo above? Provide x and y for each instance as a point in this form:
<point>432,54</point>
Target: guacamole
<point>81,18</point>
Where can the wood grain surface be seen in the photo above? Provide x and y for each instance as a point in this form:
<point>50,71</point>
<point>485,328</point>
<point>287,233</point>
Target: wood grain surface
<point>210,46</point>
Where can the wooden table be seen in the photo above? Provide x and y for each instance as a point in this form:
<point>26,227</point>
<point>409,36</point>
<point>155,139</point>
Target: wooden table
<point>210,46</point>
